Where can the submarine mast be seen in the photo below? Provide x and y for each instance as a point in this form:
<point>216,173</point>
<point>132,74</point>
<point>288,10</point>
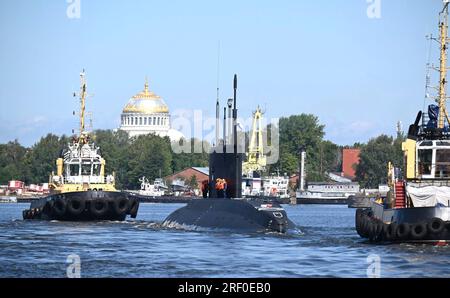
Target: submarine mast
<point>238,172</point>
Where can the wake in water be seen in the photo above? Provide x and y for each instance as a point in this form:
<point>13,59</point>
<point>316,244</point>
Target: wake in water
<point>171,225</point>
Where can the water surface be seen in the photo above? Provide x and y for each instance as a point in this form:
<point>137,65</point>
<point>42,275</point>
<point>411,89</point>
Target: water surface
<point>327,246</point>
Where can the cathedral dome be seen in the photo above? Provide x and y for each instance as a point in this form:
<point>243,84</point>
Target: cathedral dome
<point>147,113</point>
<point>146,102</point>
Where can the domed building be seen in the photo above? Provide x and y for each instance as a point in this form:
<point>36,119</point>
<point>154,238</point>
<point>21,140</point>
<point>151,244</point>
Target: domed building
<point>147,113</point>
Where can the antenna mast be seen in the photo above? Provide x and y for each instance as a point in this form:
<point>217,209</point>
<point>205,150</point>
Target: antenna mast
<point>217,99</point>
<point>83,95</point>
<point>443,28</point>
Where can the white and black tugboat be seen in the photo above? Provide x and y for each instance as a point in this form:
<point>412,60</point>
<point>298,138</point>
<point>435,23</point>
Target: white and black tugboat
<point>80,190</point>
<point>418,205</point>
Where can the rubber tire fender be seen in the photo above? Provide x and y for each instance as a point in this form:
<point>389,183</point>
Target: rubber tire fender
<point>98,212</point>
<point>59,207</point>
<point>377,228</point>
<point>436,225</point>
<point>403,231</point>
<point>48,207</point>
<point>391,231</point>
<point>421,233</point>
<point>72,203</point>
<point>358,221</point>
<point>120,206</point>
<point>134,206</point>
<point>447,225</point>
<point>365,226</point>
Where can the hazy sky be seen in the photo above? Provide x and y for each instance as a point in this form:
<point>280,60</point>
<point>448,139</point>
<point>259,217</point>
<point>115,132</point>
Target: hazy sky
<point>360,75</point>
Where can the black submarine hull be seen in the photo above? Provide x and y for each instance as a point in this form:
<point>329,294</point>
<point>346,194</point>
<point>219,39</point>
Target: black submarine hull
<point>231,214</point>
<point>83,206</point>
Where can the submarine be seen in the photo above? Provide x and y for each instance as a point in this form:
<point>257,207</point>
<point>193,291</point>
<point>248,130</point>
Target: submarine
<point>231,212</point>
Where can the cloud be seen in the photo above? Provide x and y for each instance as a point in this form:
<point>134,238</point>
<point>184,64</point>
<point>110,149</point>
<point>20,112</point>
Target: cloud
<point>348,133</point>
<point>30,130</point>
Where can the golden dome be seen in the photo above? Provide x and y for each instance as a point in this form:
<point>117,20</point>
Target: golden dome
<point>146,102</point>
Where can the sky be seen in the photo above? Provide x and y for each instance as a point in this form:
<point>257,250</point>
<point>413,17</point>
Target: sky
<point>358,74</point>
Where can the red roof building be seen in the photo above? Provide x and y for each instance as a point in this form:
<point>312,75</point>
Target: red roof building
<point>200,173</point>
<point>350,159</point>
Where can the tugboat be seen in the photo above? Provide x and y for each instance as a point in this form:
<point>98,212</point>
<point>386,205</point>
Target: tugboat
<point>418,205</point>
<point>80,191</point>
<point>225,209</point>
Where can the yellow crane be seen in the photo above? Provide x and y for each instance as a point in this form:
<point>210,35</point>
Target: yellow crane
<point>256,160</point>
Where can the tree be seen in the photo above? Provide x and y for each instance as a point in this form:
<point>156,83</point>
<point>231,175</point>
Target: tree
<point>41,160</point>
<point>148,155</point>
<point>12,166</point>
<point>184,160</point>
<point>114,146</point>
<point>374,157</point>
<point>193,183</point>
<point>304,131</point>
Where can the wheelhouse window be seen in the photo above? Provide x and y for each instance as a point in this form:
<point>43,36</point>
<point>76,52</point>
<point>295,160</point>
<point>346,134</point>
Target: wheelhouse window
<point>86,170</point>
<point>96,170</point>
<point>442,163</point>
<point>425,159</point>
<point>74,170</point>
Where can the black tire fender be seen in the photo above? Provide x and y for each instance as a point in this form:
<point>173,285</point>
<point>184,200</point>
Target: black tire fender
<point>403,230</point>
<point>436,225</point>
<point>59,207</point>
<point>365,226</point>
<point>134,206</point>
<point>120,206</point>
<point>98,207</point>
<point>76,206</point>
<point>48,207</point>
<point>391,231</point>
<point>419,231</point>
<point>358,217</point>
<point>377,228</point>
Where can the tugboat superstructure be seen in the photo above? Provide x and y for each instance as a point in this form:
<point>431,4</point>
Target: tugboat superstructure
<point>418,205</point>
<point>80,190</point>
<point>81,166</point>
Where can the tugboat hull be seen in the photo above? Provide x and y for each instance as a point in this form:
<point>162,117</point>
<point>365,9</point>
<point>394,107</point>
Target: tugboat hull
<point>83,206</point>
<point>231,214</point>
<point>420,224</point>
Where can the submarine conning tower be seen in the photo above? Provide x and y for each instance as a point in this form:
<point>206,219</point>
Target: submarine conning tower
<point>230,213</point>
<point>225,159</point>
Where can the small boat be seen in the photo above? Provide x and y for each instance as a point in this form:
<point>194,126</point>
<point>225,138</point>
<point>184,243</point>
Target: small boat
<point>266,189</point>
<point>7,199</point>
<point>156,189</point>
<point>80,190</point>
<point>417,208</point>
<point>327,193</point>
<point>157,193</point>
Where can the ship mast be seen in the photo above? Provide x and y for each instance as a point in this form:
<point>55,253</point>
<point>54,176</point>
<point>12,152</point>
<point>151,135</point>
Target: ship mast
<point>82,137</point>
<point>443,27</point>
